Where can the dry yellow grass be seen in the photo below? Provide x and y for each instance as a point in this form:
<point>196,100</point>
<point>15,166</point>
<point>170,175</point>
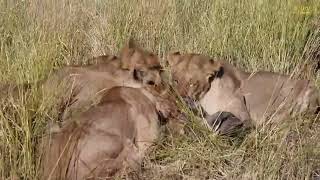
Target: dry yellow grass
<point>38,36</point>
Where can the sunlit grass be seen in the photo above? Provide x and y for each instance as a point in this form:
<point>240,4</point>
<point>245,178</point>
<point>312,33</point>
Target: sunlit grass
<point>39,36</point>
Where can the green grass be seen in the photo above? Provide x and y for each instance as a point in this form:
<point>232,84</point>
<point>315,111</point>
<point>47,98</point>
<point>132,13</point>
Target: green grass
<point>39,36</point>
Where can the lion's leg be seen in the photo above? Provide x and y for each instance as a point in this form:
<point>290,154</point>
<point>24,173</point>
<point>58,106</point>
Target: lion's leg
<point>128,159</point>
<point>225,123</point>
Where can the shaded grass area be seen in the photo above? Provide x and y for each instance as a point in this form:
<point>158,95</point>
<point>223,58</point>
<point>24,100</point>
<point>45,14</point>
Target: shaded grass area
<point>282,36</point>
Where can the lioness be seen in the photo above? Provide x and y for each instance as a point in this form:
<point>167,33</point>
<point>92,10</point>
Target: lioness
<point>257,96</point>
<point>83,85</point>
<point>109,136</point>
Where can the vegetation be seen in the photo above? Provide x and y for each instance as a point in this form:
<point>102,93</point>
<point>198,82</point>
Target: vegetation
<point>281,36</point>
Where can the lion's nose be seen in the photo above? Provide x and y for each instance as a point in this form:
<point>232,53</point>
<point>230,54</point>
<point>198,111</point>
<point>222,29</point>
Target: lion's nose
<point>150,83</point>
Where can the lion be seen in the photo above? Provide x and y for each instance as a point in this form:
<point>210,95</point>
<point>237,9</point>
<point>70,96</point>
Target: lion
<point>82,86</point>
<point>253,98</point>
<point>116,131</point>
<point>114,134</point>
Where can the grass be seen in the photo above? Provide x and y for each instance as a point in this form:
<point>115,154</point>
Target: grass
<point>281,36</point>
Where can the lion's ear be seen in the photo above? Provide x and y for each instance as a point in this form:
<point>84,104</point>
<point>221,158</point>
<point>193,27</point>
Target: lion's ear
<point>174,58</point>
<point>217,68</point>
<point>126,58</point>
<point>126,53</point>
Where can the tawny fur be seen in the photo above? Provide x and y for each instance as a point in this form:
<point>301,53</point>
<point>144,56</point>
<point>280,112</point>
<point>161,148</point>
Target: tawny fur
<point>109,136</point>
<point>78,87</point>
<point>258,96</point>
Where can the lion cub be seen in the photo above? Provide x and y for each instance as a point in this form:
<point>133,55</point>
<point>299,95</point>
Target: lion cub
<point>78,87</point>
<point>258,96</point>
<point>109,136</point>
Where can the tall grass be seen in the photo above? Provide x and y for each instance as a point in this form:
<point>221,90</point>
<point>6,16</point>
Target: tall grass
<point>39,36</point>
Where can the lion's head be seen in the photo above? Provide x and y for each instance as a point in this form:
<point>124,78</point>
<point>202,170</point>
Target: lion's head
<point>144,65</point>
<point>193,73</point>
